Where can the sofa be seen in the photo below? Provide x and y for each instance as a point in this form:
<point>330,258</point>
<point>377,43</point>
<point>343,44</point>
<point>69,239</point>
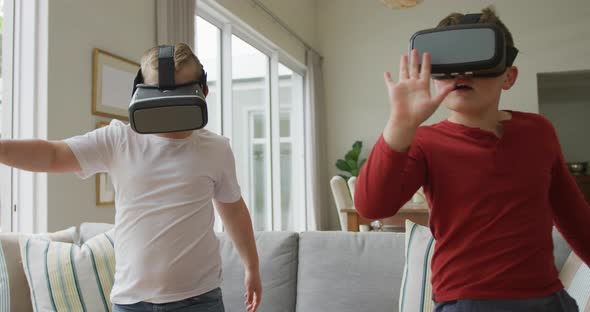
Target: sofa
<point>328,271</point>
<point>320,271</point>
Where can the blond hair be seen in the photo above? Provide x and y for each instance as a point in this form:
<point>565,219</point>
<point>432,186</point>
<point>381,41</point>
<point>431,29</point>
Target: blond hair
<point>183,56</point>
<point>488,16</point>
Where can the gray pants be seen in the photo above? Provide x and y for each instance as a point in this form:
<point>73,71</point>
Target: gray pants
<point>557,302</point>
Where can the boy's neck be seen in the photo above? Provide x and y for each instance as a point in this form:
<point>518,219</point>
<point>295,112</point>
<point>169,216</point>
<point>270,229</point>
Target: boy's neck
<point>484,120</point>
<point>175,135</point>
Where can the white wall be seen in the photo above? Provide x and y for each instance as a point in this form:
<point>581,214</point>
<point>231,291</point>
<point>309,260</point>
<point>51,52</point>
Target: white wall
<point>300,15</point>
<point>125,28</point>
<point>360,39</point>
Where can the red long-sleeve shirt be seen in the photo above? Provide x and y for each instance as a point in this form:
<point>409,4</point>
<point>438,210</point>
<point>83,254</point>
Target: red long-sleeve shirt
<point>493,203</point>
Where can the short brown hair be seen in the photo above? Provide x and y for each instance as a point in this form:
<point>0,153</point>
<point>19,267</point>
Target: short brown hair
<point>488,17</point>
<point>183,55</point>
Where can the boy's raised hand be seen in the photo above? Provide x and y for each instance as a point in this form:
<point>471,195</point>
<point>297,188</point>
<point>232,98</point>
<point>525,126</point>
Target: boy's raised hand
<point>410,98</point>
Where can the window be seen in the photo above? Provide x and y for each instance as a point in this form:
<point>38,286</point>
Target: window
<point>251,135</point>
<point>291,148</point>
<point>24,110</point>
<point>208,51</point>
<point>6,178</point>
<point>1,84</point>
<point>2,182</point>
<point>256,100</point>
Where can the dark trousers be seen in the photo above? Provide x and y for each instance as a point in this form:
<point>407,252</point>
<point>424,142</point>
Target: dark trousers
<point>557,302</point>
<point>208,302</point>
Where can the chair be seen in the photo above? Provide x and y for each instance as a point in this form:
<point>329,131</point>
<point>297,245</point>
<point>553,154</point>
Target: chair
<point>343,196</point>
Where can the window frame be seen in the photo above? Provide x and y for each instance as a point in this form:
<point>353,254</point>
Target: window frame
<point>6,173</point>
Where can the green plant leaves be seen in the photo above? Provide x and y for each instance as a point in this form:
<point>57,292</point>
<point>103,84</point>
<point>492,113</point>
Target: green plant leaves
<point>351,156</point>
<point>357,146</point>
<point>351,163</point>
<point>343,165</point>
<point>356,150</point>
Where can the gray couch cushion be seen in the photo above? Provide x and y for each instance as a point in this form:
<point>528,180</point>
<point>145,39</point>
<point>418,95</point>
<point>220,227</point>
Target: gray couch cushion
<point>341,271</point>
<point>277,252</point>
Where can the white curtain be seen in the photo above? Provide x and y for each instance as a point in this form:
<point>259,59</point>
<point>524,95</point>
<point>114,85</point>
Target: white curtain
<point>317,181</point>
<point>175,20</point>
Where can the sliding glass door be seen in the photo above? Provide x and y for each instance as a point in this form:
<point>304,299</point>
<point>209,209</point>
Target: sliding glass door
<point>257,101</point>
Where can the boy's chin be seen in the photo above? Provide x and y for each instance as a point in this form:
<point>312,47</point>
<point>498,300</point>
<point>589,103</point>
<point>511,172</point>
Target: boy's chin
<point>462,106</point>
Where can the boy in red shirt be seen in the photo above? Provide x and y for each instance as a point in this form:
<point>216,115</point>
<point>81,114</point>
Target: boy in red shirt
<point>495,180</point>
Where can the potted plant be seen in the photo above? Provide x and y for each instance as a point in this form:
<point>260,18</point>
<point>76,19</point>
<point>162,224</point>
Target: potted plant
<point>351,164</point>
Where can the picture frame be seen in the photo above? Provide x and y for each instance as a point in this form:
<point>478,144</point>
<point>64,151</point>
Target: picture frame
<point>105,191</point>
<point>112,82</point>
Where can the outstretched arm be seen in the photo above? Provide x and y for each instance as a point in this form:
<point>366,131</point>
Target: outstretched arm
<point>38,155</point>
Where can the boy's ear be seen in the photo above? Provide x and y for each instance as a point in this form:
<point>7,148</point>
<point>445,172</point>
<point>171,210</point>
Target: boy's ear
<point>510,78</point>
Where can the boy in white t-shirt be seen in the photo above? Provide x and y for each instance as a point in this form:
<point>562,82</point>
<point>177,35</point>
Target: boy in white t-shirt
<point>166,250</point>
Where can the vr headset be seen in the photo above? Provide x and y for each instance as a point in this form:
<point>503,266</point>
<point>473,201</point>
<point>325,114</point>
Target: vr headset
<point>168,107</point>
<point>469,48</point>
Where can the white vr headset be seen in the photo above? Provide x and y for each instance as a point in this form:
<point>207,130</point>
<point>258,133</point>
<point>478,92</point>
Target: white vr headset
<point>168,107</point>
<point>469,48</point>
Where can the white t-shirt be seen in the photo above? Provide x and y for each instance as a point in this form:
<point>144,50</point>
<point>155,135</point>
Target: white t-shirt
<point>165,246</point>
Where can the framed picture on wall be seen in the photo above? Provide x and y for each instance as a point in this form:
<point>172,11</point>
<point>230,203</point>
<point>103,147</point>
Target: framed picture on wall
<point>105,192</point>
<point>112,82</point>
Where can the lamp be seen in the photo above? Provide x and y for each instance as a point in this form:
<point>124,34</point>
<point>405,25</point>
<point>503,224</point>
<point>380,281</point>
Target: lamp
<point>400,4</point>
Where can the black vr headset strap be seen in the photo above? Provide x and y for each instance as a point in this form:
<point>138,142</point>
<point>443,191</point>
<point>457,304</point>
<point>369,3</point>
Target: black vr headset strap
<point>470,18</point>
<point>165,75</point>
<point>203,82</point>
<point>511,53</point>
<point>166,67</point>
<point>138,80</point>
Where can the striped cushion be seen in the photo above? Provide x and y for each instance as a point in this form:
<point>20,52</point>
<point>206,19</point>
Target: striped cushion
<point>14,290</point>
<point>68,277</point>
<point>416,290</point>
<point>575,276</point>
